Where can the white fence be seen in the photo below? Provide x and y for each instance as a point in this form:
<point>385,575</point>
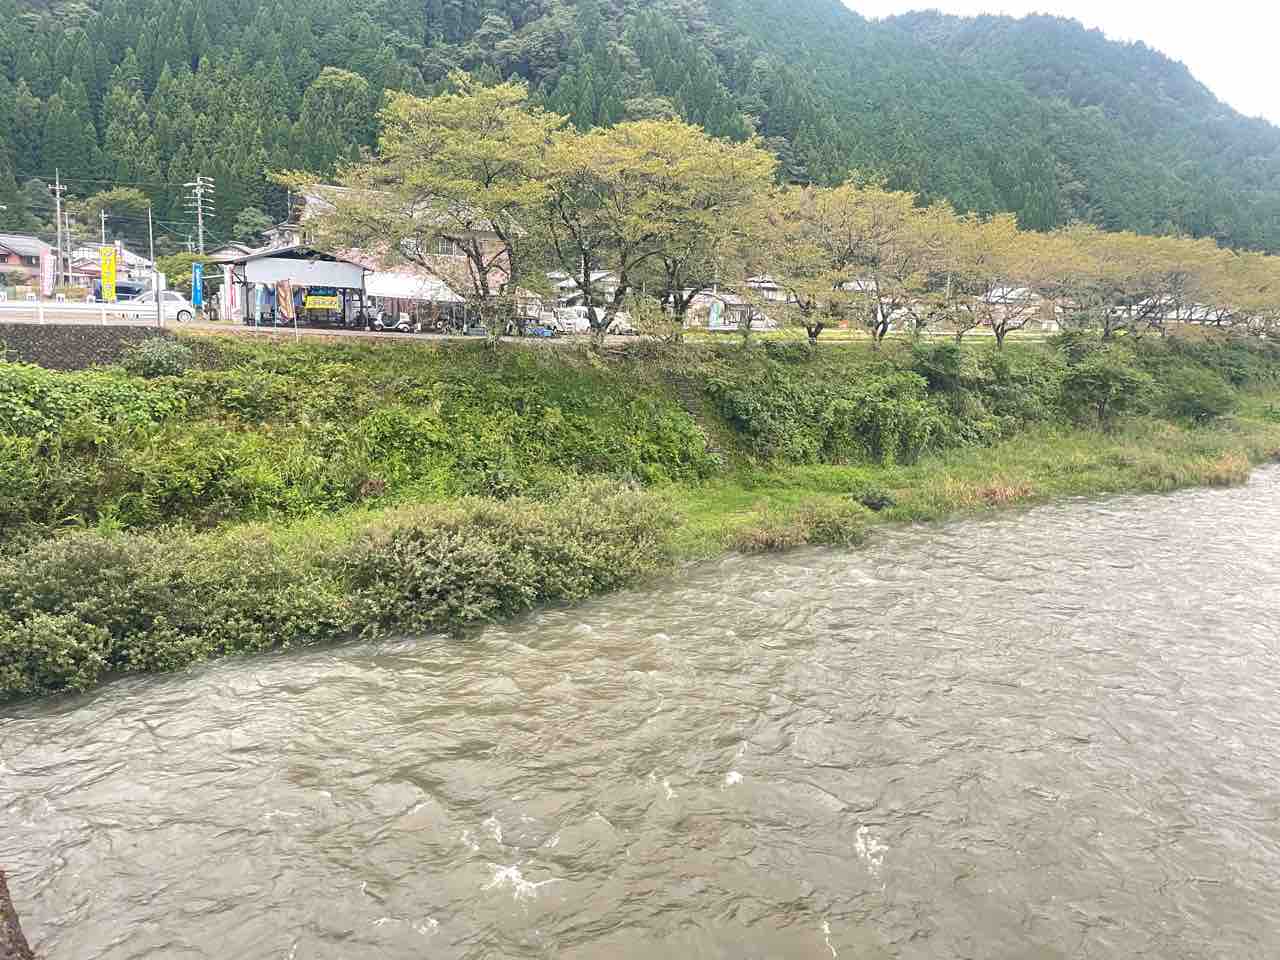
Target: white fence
<point>50,311</point>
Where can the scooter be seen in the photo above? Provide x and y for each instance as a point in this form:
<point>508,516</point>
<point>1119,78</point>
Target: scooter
<point>382,323</point>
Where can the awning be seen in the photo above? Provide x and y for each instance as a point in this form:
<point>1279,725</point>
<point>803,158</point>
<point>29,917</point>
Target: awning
<point>409,286</point>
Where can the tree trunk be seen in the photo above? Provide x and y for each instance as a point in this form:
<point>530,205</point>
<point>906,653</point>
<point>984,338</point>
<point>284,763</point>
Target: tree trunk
<point>13,945</point>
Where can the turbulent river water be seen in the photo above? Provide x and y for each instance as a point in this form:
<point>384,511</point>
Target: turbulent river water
<point>1050,734</point>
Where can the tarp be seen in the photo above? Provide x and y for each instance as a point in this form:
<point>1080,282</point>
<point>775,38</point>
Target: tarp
<point>409,286</point>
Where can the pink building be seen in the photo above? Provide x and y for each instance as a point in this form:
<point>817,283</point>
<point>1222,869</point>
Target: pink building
<point>26,262</point>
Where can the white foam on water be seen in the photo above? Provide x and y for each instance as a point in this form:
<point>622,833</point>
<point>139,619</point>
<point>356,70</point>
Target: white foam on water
<point>494,828</point>
<point>469,842</point>
<point>870,849</point>
<point>521,889</point>
<point>426,928</point>
<point>826,935</point>
<point>732,778</point>
<point>552,843</point>
<point>666,785</point>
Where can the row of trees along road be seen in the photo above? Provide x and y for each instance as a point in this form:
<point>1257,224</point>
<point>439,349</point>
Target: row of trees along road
<point>673,212</point>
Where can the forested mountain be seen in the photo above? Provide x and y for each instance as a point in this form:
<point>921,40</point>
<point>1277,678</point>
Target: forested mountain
<point>1037,116</point>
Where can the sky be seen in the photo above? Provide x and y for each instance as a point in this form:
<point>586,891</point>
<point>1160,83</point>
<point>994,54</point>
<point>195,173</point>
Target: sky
<point>1229,45</point>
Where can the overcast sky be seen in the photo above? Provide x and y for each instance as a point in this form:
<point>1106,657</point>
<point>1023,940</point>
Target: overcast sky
<point>1229,45</point>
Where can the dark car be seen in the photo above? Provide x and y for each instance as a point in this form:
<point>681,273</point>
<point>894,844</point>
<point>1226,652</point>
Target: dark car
<point>125,290</point>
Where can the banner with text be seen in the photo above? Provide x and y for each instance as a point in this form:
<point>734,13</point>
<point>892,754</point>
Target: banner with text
<point>108,274</point>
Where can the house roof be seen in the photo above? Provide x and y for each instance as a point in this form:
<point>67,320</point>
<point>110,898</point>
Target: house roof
<point>24,246</point>
<point>231,251</point>
<point>570,283</point>
<point>296,252</point>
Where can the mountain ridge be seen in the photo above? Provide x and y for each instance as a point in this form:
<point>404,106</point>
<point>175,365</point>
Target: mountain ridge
<point>1039,116</point>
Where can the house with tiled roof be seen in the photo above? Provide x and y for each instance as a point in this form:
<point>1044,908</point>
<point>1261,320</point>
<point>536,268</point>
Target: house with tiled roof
<point>26,261</point>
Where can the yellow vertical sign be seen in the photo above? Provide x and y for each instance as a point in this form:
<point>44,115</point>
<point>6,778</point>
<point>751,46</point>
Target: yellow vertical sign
<point>109,274</point>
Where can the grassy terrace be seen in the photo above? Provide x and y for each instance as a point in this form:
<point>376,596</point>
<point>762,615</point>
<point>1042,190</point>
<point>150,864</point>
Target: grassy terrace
<point>233,496</point>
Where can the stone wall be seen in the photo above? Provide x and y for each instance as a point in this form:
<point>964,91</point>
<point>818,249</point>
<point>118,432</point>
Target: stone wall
<point>70,347</point>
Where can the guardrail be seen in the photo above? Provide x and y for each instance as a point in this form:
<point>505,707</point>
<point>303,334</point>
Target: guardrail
<point>55,311</point>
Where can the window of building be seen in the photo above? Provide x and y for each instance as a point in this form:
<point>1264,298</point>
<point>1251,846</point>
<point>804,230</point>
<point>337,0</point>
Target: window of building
<point>447,248</point>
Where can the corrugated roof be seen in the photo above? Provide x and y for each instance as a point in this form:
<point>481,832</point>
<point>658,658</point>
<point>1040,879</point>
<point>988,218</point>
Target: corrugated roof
<point>24,246</point>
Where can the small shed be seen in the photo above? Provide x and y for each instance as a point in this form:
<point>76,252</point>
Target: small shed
<point>264,276</point>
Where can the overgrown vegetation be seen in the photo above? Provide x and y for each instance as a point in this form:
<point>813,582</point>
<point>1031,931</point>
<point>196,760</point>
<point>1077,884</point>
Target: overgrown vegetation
<point>279,494</point>
<point>78,607</point>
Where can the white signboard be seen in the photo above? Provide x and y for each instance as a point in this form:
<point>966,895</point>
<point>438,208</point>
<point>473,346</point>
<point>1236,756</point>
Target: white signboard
<point>304,273</point>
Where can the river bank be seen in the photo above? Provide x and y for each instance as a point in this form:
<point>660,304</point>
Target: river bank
<point>252,498</point>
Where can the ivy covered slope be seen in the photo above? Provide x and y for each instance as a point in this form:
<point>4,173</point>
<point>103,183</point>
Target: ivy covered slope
<point>1039,116</point>
<point>214,497</point>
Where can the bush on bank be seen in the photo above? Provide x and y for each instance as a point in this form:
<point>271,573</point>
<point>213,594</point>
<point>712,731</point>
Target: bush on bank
<point>257,433</point>
<point>78,607</point>
<point>253,432</point>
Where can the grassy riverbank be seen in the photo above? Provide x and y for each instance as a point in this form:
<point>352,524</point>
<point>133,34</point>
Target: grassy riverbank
<point>261,495</point>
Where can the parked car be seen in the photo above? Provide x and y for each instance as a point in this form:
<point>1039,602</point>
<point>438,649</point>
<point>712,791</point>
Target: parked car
<point>175,305</point>
<point>125,290</point>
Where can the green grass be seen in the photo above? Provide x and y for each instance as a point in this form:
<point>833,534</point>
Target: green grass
<point>1143,456</point>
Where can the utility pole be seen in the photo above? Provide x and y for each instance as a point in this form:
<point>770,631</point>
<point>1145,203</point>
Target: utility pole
<point>103,214</point>
<point>57,221</point>
<point>201,201</point>
<point>66,232</point>
<point>155,269</point>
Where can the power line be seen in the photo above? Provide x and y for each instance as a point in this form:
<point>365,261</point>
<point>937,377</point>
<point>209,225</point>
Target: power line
<point>119,183</point>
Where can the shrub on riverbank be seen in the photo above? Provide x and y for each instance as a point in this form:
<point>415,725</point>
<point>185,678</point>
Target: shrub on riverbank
<point>266,431</point>
<point>290,431</point>
<point>78,607</point>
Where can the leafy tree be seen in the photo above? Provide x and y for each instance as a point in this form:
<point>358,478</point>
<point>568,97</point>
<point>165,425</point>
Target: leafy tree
<point>177,270</point>
<point>638,194</point>
<point>709,221</point>
<point>459,174</point>
<point>13,203</point>
<point>336,119</point>
<point>251,225</point>
<point>1106,383</point>
<point>996,276</point>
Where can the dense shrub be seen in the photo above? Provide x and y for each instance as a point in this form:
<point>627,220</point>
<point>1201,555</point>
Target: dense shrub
<point>1021,387</point>
<point>83,605</point>
<point>1197,394</point>
<point>35,402</point>
<point>158,357</point>
<point>795,416</point>
<point>259,431</point>
<point>1104,384</point>
<point>940,364</point>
